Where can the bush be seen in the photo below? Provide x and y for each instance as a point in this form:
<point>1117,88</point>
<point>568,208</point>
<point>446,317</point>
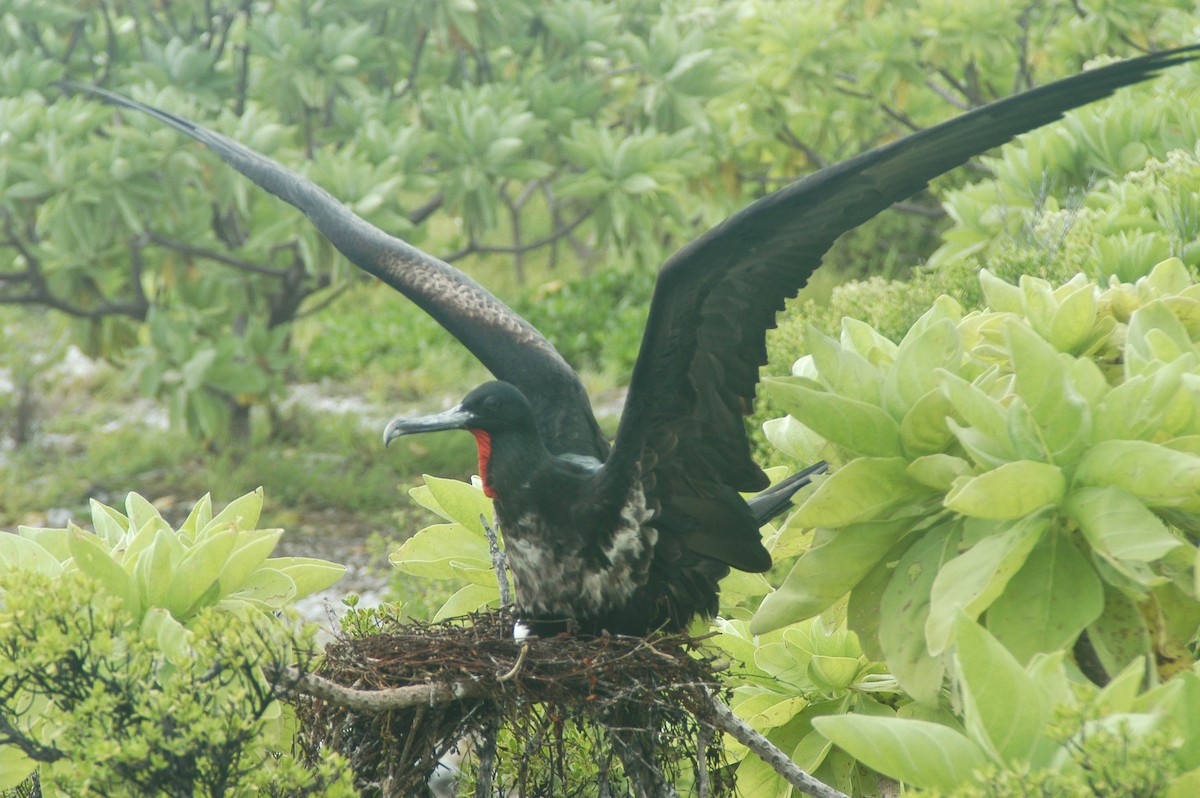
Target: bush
<point>147,660</point>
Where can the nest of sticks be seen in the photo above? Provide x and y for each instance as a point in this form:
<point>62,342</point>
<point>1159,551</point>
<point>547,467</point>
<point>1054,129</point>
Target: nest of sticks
<point>554,716</point>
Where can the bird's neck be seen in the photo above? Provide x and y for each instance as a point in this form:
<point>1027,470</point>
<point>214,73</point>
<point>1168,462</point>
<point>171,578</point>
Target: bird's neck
<point>507,459</point>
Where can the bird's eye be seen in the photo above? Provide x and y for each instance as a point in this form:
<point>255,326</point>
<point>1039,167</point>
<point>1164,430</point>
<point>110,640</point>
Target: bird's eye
<point>491,402</point>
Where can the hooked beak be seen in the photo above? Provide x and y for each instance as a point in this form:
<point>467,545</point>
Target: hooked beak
<point>454,418</point>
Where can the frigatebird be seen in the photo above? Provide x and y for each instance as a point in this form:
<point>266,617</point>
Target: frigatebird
<point>636,537</point>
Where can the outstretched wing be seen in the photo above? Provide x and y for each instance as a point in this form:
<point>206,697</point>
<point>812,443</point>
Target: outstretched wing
<point>705,340</point>
<point>503,341</point>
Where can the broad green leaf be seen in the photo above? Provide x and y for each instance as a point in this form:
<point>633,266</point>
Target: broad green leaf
<point>198,572</point>
<point>172,638</point>
<point>833,673</point>
<point>975,407</point>
<point>154,571</point>
<point>810,752</point>
<point>309,574</point>
<point>973,580</point>
<point>923,429</point>
<point>1156,474</point>
<point>433,551</point>
<point>1043,381</point>
<point>1120,695</point>
<point>860,337</point>
<point>826,572</point>
<point>1011,491</point>
<point>93,559</point>
<point>784,661</point>
<point>140,511</point>
<point>15,767</point>
<point>18,553</point>
<point>860,491</point>
<point>939,471</point>
<point>925,755</point>
<point>859,427</point>
<point>771,710</point>
<point>1049,601</point>
<point>1119,635</point>
<point>1154,334</point>
<point>455,501</point>
<point>243,512</point>
<point>926,348</point>
<point>110,525</point>
<point>1000,294</point>
<point>904,610</point>
<point>469,599</point>
<point>54,541</point>
<point>1118,525</point>
<point>1004,709</point>
<point>266,588</point>
<point>199,517</point>
<point>252,548</point>
<point>844,371</point>
<point>1072,324</point>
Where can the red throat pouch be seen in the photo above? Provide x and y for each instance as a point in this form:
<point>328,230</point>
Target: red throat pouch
<point>484,442</point>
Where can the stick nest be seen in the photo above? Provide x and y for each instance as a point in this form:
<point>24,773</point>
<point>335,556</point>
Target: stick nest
<point>555,716</point>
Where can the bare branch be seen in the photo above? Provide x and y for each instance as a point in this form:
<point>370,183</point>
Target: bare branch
<point>185,248</point>
<point>475,248</point>
<point>765,750</point>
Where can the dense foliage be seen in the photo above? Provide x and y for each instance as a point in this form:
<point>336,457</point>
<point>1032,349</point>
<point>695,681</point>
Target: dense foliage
<point>514,131</point>
<point>141,659</point>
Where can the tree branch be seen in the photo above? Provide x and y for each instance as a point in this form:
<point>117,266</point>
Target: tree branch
<point>475,248</point>
<point>418,695</point>
<point>185,248</point>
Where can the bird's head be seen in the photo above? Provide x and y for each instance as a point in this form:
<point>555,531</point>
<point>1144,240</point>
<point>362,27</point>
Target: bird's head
<point>492,407</point>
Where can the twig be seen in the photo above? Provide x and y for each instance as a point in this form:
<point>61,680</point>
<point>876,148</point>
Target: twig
<point>498,561</point>
<point>378,700</point>
<point>516,666</point>
<point>765,750</point>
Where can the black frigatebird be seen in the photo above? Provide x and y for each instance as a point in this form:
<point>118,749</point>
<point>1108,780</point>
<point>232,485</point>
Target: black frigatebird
<point>635,538</point>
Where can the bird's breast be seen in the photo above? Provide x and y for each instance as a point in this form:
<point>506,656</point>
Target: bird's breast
<point>564,570</point>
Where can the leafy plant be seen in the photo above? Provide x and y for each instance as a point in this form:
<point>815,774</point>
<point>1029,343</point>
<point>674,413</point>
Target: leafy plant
<point>1036,463</point>
<point>159,591</point>
<point>1038,724</point>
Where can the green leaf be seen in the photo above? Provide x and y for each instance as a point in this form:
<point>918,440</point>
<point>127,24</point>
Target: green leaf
<point>198,572</point>
<point>925,349</point>
<point>904,610</point>
<point>843,371</point>
<point>252,548</point>
<point>1009,492</point>
<point>860,491</point>
<point>939,471</point>
<point>923,429</point>
<point>1156,474</point>
<point>54,541</point>
<point>172,638</point>
<point>454,500</point>
<point>93,559</point>
<point>1004,709</point>
<point>1047,603</point>
<point>434,551</point>
<point>20,554</point>
<point>1043,381</point>
<point>243,512</point>
<point>266,588</point>
<point>469,599</point>
<point>827,571</point>
<point>1118,525</point>
<point>110,525</point>
<point>309,574</point>
<point>1119,635</point>
<point>15,767</point>
<point>859,427</point>
<point>973,580</point>
<point>916,752</point>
